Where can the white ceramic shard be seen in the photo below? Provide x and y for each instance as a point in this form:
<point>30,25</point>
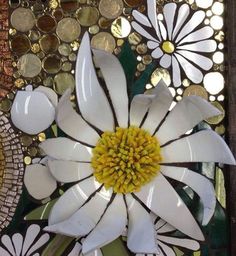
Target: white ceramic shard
<point>35,173</point>
<point>169,206</point>
<point>32,112</point>
<point>91,98</point>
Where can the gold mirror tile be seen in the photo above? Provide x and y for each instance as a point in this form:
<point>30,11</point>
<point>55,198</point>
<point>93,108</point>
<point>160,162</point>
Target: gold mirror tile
<point>87,16</point>
<point>103,41</point>
<point>52,63</point>
<point>111,9</point>
<point>49,43</point>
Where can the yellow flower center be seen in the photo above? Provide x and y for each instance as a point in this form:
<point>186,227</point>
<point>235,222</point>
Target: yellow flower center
<point>126,159</point>
<point>168,47</point>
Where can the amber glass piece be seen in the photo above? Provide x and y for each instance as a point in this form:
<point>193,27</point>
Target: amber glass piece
<point>58,14</point>
<point>134,3</point>
<point>104,23</point>
<point>49,43</point>
<point>52,64</point>
<point>20,44</point>
<point>46,23</point>
<point>87,16</point>
<point>69,5</point>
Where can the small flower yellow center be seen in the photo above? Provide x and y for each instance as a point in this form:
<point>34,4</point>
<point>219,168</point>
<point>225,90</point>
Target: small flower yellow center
<point>126,159</point>
<point>168,47</point>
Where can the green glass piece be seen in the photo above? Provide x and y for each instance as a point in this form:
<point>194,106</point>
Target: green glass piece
<point>54,129</point>
<point>178,252</point>
<point>116,248</point>
<point>139,85</point>
<point>129,63</point>
<point>220,187</point>
<point>42,212</point>
<point>57,246</point>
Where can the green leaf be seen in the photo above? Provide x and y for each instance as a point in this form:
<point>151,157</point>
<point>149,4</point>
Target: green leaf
<point>140,84</point>
<point>129,63</point>
<point>116,248</point>
<point>57,246</point>
<point>42,212</point>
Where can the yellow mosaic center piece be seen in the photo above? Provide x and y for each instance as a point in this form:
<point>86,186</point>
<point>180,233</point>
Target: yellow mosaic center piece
<point>168,47</point>
<point>126,159</point>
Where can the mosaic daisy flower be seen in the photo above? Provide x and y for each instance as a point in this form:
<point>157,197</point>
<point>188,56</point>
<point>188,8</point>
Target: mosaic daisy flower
<point>118,153</point>
<point>19,246</point>
<point>180,40</point>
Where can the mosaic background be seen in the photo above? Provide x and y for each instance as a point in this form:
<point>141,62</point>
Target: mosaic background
<point>41,49</point>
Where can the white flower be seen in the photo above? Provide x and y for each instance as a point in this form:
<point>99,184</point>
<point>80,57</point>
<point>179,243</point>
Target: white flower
<point>19,246</point>
<point>117,168</point>
<point>180,41</point>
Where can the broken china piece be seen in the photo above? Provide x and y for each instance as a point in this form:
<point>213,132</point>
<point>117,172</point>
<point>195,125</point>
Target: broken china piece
<point>34,111</point>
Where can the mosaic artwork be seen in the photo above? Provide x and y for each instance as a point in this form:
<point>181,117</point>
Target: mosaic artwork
<point>112,128</point>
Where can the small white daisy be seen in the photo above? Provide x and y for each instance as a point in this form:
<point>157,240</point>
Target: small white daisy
<point>180,40</point>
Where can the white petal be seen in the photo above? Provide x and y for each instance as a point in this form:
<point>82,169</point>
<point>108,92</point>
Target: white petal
<point>186,114</point>
<point>52,96</point>
<point>141,231</point>
<point>163,30</point>
<point>152,15</point>
<point>159,107</point>
<point>69,171</point>
<point>35,173</point>
<point>141,18</point>
<point>66,149</point>
<point>182,16</point>
<point>32,112</point>
<point>39,243</point>
<point>109,228</point>
<point>31,234</point>
<point>202,46</point>
<point>203,146</point>
<point>176,72</point>
<point>200,60</point>
<point>17,240</point>
<point>198,183</point>
<point>167,250</point>
<point>201,34</point>
<point>196,19</point>
<point>115,79</point>
<point>161,198</point>
<point>73,124</point>
<point>138,109</point>
<point>85,219</point>
<point>142,31</point>
<point>157,53</point>
<point>169,14</point>
<point>165,61</point>
<point>152,45</point>
<point>73,199</point>
<point>76,250</point>
<point>91,98</point>
<point>164,227</point>
<point>193,73</point>
<point>185,243</point>
<point>3,252</point>
<point>5,239</point>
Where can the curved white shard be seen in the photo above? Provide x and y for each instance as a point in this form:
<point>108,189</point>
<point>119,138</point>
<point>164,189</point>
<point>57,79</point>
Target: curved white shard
<point>62,148</point>
<point>186,114</point>
<point>69,171</point>
<point>115,80</point>
<point>141,237</point>
<point>203,146</point>
<point>169,206</point>
<point>73,124</point>
<point>91,98</point>
<point>109,228</point>
<point>198,183</point>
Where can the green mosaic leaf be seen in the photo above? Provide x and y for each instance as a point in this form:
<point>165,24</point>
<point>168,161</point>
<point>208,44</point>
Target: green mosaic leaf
<point>42,212</point>
<point>116,248</point>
